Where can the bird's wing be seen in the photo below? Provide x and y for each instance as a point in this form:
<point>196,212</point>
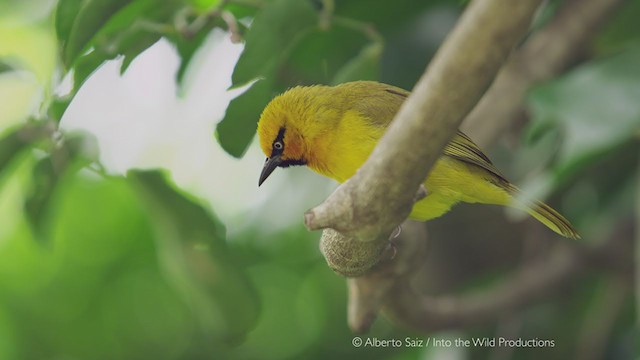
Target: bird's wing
<point>378,102</point>
<point>385,100</point>
<point>462,148</point>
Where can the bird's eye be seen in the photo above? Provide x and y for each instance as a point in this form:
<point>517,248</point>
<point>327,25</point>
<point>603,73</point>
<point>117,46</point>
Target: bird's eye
<point>277,145</point>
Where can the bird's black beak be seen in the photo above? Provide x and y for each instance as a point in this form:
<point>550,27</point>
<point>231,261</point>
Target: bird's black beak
<point>270,165</point>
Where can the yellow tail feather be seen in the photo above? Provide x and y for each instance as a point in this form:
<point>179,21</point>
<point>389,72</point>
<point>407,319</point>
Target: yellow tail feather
<point>545,214</point>
<point>554,221</point>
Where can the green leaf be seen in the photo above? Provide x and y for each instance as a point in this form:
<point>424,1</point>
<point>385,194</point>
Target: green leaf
<point>134,45</point>
<point>37,209</point>
<point>18,140</point>
<point>318,57</point>
<point>192,243</point>
<point>135,28</point>
<point>10,146</point>
<point>240,10</point>
<point>76,152</point>
<point>85,66</point>
<point>128,33</point>
<point>595,107</point>
<point>58,106</point>
<point>89,18</point>
<point>274,31</point>
<point>6,66</point>
<point>203,5</point>
<point>365,66</point>
<point>66,13</point>
<point>235,131</point>
<point>621,31</point>
<point>187,47</point>
<point>102,253</point>
<point>192,220</point>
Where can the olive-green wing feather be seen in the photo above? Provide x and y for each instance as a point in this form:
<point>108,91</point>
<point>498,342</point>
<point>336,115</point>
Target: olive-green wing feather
<point>378,102</point>
<point>382,97</point>
<point>462,148</point>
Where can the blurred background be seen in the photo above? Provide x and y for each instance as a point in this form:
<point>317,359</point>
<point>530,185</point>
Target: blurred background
<point>132,227</point>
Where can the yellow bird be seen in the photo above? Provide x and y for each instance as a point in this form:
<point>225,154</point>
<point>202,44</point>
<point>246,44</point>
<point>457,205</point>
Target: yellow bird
<point>333,129</point>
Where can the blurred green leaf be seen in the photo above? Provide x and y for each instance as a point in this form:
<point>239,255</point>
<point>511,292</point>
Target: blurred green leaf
<point>622,31</point>
<point>6,66</point>
<point>241,10</point>
<point>596,107</point>
<point>57,107</point>
<point>365,66</point>
<point>235,131</point>
<point>203,5</point>
<point>37,209</point>
<point>274,31</point>
<point>18,140</point>
<point>84,67</point>
<point>192,220</point>
<point>99,284</point>
<point>187,47</point>
<point>128,32</point>
<point>66,14</point>
<point>10,146</point>
<point>320,55</point>
<point>87,19</point>
<point>77,151</point>
<point>390,15</point>
<point>135,27</point>
<point>134,45</point>
<point>192,243</point>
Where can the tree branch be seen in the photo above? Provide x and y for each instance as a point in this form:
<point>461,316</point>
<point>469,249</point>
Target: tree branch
<point>367,207</point>
<point>548,52</point>
<point>367,294</point>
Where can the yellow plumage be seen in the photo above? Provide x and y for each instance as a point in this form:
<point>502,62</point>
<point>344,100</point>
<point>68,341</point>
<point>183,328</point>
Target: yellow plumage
<point>334,129</point>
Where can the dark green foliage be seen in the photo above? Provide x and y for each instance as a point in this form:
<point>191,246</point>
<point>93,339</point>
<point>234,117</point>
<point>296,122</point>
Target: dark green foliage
<point>235,131</point>
<point>78,22</point>
<point>279,26</point>
<point>37,203</point>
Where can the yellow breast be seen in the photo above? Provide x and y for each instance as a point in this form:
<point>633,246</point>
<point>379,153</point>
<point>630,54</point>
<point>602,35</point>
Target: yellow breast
<point>340,153</point>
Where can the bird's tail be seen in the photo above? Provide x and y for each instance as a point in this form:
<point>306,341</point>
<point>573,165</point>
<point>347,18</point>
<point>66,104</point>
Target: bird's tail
<point>543,213</point>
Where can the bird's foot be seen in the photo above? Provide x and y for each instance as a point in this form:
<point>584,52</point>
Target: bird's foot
<point>392,248</point>
<point>391,251</point>
<point>395,233</point>
<point>421,193</point>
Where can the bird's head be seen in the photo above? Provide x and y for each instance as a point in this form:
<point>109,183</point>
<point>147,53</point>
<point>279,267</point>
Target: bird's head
<point>298,128</point>
<point>280,130</point>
